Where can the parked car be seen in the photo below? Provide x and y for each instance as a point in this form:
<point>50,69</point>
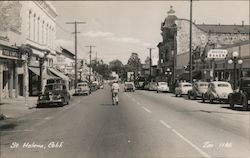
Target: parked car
<point>82,89</point>
<point>139,85</point>
<point>162,87</point>
<point>183,88</point>
<point>54,94</point>
<point>146,86</point>
<point>242,95</point>
<point>198,89</point>
<point>217,90</point>
<point>152,86</point>
<point>129,87</point>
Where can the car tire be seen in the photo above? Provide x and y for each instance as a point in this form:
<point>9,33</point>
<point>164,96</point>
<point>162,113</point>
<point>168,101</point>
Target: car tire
<point>231,102</point>
<point>244,102</point>
<point>157,91</point>
<point>211,101</point>
<point>189,95</point>
<point>194,96</point>
<point>203,98</point>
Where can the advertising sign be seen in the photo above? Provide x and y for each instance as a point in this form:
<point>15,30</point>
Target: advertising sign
<point>217,53</point>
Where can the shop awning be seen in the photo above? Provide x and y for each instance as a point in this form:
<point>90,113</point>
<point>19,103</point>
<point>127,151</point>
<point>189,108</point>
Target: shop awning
<point>58,73</point>
<point>35,70</point>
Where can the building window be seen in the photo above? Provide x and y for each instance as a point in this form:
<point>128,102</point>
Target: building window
<point>38,29</point>
<point>43,32</point>
<point>30,24</point>
<point>34,27</point>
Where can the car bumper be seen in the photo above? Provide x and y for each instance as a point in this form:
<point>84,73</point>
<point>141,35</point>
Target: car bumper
<point>50,102</point>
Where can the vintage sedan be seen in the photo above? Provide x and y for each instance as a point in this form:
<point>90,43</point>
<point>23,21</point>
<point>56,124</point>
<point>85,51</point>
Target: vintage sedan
<point>129,87</point>
<point>217,90</point>
<point>54,94</point>
<point>152,86</point>
<point>182,88</point>
<point>82,89</point>
<point>242,95</point>
<point>162,87</point>
<point>198,89</point>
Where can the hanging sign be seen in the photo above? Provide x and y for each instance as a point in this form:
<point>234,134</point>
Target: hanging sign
<point>217,53</point>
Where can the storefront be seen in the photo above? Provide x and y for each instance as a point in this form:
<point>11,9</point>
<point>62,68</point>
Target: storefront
<point>11,72</point>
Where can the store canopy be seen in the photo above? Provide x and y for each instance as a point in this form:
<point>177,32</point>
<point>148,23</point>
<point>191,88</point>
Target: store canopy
<point>58,74</point>
<point>185,76</point>
<point>35,70</point>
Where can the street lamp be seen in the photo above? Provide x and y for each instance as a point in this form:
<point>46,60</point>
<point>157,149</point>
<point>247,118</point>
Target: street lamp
<point>168,73</point>
<point>235,59</point>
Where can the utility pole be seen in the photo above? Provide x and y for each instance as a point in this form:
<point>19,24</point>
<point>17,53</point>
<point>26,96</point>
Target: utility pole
<point>190,46</point>
<point>150,63</point>
<point>90,64</point>
<point>76,23</point>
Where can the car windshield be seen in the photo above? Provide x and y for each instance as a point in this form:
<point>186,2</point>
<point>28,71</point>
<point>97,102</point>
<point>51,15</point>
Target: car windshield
<point>82,84</point>
<point>203,85</point>
<point>187,85</point>
<point>163,83</point>
<point>53,87</point>
<point>223,85</point>
<point>129,85</point>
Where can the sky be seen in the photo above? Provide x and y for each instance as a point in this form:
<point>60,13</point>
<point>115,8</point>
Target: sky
<point>118,28</point>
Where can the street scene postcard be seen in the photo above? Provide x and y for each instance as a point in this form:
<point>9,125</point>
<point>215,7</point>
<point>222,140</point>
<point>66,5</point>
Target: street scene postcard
<point>125,79</point>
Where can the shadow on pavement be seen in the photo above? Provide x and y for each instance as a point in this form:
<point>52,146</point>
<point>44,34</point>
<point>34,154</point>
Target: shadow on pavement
<point>107,104</point>
<point>236,108</point>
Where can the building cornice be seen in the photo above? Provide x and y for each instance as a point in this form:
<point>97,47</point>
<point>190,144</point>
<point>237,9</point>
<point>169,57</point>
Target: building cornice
<point>47,7</point>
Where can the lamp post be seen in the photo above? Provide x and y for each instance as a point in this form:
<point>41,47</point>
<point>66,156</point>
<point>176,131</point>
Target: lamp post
<point>168,73</point>
<point>235,59</point>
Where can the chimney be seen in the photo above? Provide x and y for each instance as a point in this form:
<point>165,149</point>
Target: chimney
<point>242,22</point>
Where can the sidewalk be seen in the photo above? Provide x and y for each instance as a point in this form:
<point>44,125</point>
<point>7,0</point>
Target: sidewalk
<point>13,108</point>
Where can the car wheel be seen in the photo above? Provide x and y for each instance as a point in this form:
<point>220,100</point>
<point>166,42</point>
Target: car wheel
<point>189,95</point>
<point>231,102</point>
<point>211,101</point>
<point>157,91</point>
<point>203,98</point>
<point>176,95</point>
<point>194,96</point>
<point>244,102</point>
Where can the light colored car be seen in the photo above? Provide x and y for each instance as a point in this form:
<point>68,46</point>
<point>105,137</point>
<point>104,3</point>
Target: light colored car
<point>199,88</point>
<point>217,90</point>
<point>162,87</point>
<point>152,86</point>
<point>129,86</point>
<point>183,88</point>
<point>82,89</point>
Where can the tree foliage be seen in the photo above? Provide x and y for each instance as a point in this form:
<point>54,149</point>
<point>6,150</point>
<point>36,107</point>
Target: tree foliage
<point>134,63</point>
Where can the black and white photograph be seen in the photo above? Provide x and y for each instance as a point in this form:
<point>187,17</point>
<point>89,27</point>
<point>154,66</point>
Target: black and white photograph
<point>125,79</point>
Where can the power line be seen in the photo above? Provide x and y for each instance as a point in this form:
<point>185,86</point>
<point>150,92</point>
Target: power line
<point>90,65</point>
<point>75,32</point>
<point>150,62</point>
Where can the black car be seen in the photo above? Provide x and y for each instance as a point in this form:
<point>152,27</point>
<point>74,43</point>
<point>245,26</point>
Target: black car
<point>241,95</point>
<point>54,94</point>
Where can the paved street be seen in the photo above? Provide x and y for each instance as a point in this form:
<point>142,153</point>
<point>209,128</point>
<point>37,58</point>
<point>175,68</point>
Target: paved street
<point>144,124</point>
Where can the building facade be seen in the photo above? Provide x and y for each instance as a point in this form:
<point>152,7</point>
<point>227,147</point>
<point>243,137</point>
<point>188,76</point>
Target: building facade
<point>35,23</point>
<point>204,38</point>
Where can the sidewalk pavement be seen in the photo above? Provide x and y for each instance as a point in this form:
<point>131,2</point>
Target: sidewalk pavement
<point>16,107</point>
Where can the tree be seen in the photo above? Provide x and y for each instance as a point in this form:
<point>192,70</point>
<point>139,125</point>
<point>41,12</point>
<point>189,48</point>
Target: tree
<point>117,66</point>
<point>134,63</point>
<point>103,69</point>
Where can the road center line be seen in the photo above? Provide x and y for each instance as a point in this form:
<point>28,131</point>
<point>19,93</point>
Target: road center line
<point>165,124</point>
<point>146,109</point>
<point>191,144</point>
<point>13,131</point>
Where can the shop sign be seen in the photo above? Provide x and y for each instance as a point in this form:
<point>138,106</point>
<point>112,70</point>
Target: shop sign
<point>217,53</point>
<point>10,53</point>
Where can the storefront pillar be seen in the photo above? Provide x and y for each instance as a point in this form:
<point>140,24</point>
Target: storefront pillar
<point>11,81</point>
<point>1,82</point>
<point>16,80</point>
